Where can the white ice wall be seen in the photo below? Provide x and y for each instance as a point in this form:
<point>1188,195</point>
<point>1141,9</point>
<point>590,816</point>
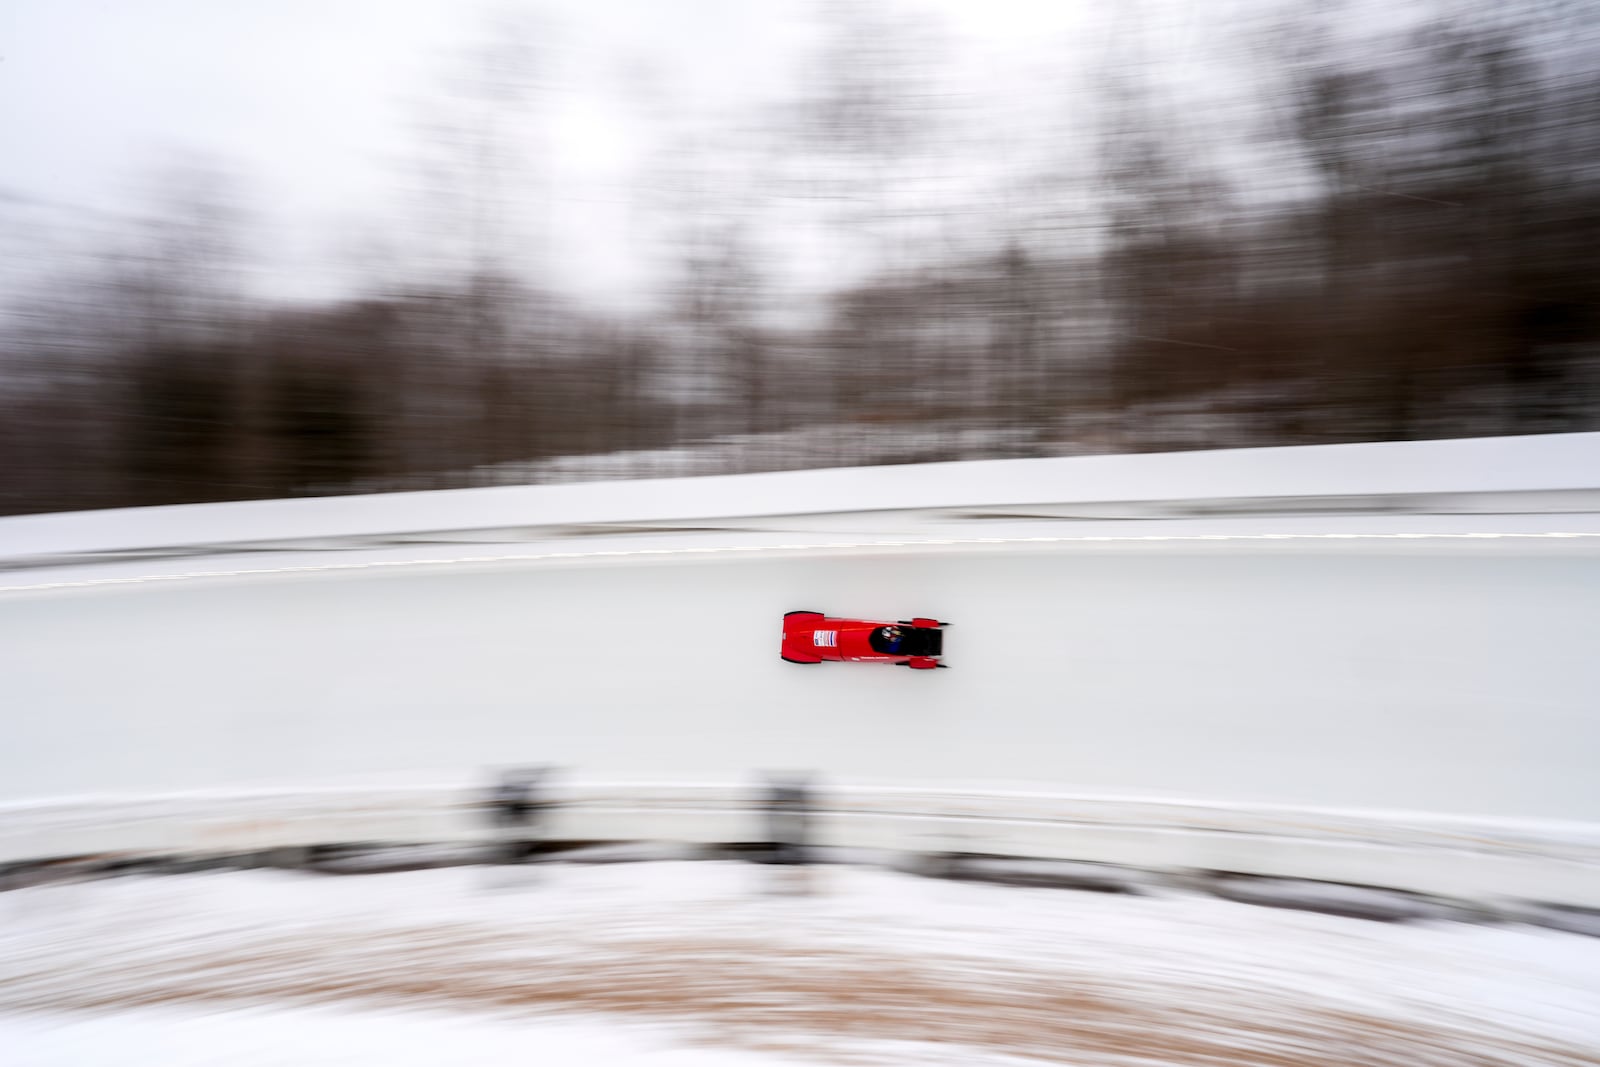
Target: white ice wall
<point>1550,463</point>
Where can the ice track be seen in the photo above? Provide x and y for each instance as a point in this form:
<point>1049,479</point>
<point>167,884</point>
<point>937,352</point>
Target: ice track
<point>1429,675</point>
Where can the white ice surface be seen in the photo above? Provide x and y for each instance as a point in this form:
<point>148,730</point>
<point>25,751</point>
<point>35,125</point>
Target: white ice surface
<point>1452,677</point>
<point>696,963</point>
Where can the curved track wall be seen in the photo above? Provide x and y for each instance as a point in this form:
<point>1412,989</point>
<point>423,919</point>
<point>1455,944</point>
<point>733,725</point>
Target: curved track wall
<point>1443,678</point>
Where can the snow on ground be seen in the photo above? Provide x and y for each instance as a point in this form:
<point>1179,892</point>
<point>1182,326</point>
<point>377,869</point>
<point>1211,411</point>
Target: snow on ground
<point>813,447</point>
<point>317,1037</point>
<point>673,963</point>
<point>854,444</point>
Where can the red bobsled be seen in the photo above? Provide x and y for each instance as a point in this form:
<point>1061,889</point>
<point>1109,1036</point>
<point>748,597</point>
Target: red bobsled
<point>812,637</point>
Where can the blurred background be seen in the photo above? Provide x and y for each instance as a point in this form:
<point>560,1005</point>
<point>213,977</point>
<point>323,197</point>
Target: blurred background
<point>289,249</point>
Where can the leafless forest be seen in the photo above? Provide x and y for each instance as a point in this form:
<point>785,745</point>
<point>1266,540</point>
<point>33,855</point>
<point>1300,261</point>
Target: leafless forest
<point>1346,228</point>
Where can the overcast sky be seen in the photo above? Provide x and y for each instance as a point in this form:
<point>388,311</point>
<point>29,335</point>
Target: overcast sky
<point>312,106</point>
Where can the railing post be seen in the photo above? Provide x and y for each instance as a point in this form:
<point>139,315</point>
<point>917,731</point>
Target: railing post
<point>786,806</point>
<point>518,806</point>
